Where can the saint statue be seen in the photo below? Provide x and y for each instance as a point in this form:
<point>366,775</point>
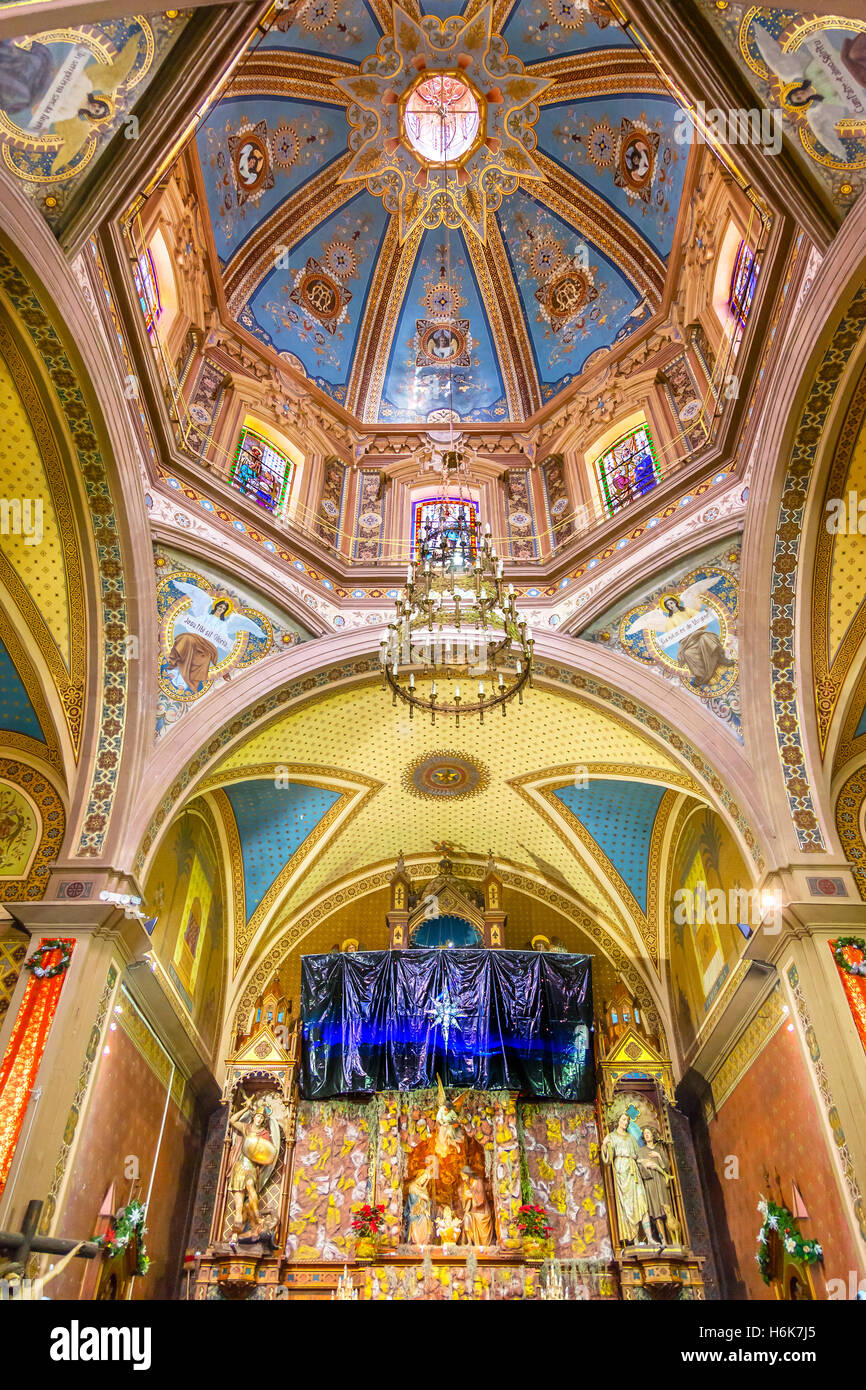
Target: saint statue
<point>255,1158</point>
<point>655,1169</point>
<point>419,1209</point>
<point>620,1150</point>
<point>477,1216</point>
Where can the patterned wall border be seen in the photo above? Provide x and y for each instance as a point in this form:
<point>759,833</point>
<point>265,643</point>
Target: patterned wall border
<point>829,676</point>
<point>365,665</point>
<point>421,874</point>
<point>746,1050</point>
<point>71,680</point>
<point>53,817</point>
<point>843,1153</point>
<point>849,806</point>
<point>91,1053</point>
<point>74,407</point>
<point>786,559</point>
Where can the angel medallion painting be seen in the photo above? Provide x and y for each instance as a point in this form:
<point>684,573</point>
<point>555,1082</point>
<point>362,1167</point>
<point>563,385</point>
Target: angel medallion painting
<point>685,627</point>
<point>64,93</point>
<point>203,634</point>
<point>689,629</point>
<point>811,70</point>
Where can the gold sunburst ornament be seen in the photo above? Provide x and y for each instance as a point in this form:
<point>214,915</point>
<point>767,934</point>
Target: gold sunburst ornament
<point>442,121</point>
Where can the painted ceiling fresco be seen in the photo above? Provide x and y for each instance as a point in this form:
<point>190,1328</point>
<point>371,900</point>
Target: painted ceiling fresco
<point>811,70</point>
<point>66,92</point>
<point>684,625</point>
<point>208,630</point>
<point>408,283</point>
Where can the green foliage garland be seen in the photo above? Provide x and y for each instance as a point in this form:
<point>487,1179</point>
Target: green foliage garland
<point>780,1220</point>
<point>125,1224</point>
<point>43,972</point>
<point>858,944</point>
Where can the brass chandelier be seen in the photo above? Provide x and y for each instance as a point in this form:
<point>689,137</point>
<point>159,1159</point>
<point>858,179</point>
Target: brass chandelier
<point>458,644</point>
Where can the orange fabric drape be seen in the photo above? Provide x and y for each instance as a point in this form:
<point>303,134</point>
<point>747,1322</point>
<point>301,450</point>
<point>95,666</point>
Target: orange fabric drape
<point>20,1064</point>
<point>855,988</point>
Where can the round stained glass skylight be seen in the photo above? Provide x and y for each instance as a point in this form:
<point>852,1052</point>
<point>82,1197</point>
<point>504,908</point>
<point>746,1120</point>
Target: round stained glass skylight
<point>441,118</point>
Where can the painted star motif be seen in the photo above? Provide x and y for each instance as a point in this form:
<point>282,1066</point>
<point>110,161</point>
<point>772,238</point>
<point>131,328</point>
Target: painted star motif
<point>424,192</point>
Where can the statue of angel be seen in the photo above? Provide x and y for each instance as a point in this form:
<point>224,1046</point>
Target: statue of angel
<point>204,634</point>
<point>450,1138</point>
<point>700,651</point>
<point>831,83</point>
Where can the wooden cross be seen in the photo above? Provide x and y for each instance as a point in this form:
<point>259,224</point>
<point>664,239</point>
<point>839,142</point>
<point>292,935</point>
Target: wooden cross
<point>21,1244</point>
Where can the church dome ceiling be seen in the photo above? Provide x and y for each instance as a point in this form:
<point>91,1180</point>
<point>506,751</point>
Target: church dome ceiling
<point>405,288</point>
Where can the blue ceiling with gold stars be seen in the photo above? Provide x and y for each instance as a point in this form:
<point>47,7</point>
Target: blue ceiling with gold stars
<point>620,816</point>
<point>273,821</point>
<point>408,286</point>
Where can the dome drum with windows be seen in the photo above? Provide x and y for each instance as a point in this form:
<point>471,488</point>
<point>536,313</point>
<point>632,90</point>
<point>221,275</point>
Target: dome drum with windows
<point>457,644</point>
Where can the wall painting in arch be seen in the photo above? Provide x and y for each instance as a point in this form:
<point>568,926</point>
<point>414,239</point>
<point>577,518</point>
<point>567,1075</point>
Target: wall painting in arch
<point>705,941</point>
<point>184,892</point>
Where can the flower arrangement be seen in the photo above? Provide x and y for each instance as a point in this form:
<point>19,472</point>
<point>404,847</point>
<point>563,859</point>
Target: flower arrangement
<point>368,1221</point>
<point>531,1222</point>
<point>125,1224</point>
<point>780,1220</point>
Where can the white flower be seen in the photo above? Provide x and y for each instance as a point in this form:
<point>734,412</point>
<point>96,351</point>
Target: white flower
<point>762,1235</point>
<point>773,1222</point>
<point>817,1249</point>
<point>762,1207</point>
<point>790,1244</point>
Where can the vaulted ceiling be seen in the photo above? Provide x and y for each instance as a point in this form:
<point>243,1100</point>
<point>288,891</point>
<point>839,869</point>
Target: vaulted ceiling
<point>326,223</point>
<point>571,795</point>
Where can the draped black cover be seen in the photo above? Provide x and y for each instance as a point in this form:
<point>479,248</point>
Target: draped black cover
<point>485,1020</point>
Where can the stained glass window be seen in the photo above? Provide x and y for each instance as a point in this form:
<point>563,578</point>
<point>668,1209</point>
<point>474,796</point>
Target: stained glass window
<point>148,290</point>
<point>743,282</point>
<point>261,471</point>
<point>628,469</point>
<point>441,119</point>
<point>459,524</point>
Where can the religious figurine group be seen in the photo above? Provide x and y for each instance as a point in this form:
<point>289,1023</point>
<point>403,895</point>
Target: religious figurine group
<point>643,1183</point>
<point>467,1219</point>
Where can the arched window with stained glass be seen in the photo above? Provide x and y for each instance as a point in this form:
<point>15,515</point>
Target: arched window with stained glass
<point>627,469</point>
<point>262,471</point>
<point>147,288</point>
<point>453,517</point>
<point>743,282</point>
